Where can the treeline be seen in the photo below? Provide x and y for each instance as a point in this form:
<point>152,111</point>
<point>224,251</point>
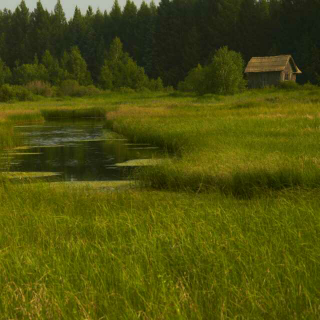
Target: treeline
<point>167,40</point>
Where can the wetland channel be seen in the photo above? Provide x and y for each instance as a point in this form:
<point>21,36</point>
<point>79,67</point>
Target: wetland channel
<point>76,151</point>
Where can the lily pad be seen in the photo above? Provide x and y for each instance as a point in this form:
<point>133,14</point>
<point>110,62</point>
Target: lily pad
<point>97,185</point>
<point>29,175</point>
<point>139,163</point>
<point>24,153</point>
<point>144,148</point>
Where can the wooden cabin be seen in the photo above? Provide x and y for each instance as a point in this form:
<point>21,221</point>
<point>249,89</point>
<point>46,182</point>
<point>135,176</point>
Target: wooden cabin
<point>269,71</point>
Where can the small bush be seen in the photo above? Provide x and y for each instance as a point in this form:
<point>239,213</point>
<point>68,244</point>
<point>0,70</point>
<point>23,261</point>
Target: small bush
<point>40,88</point>
<point>144,90</point>
<point>9,93</point>
<point>125,90</point>
<point>72,88</point>
<point>23,94</point>
<point>69,88</point>
<point>288,85</point>
<point>310,86</point>
<point>91,90</point>
<point>155,84</point>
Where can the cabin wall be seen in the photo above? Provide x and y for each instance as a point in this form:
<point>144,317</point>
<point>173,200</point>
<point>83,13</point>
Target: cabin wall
<point>287,74</point>
<point>263,79</point>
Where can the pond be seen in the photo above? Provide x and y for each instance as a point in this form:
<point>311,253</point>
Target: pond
<point>76,151</point>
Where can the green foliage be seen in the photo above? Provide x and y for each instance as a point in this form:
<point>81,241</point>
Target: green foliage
<point>106,78</point>
<point>76,67</point>
<point>9,93</point>
<point>119,70</point>
<point>72,88</point>
<point>30,72</point>
<point>226,71</point>
<point>224,75</point>
<point>194,80</point>
<point>55,73</point>
<point>288,85</point>
<point>5,73</point>
<point>155,84</point>
<point>40,88</point>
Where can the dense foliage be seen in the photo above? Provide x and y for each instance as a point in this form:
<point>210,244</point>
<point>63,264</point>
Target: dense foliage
<point>224,75</point>
<point>167,40</point>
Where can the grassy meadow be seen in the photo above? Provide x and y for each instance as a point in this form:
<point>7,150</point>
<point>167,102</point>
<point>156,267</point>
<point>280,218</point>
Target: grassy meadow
<point>227,227</point>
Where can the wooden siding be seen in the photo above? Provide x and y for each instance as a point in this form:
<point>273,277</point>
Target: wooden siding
<point>263,79</point>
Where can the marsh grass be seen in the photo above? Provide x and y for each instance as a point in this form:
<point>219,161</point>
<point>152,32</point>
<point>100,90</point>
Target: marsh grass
<point>8,138</point>
<point>157,255</point>
<point>73,113</point>
<point>239,240</point>
<point>243,145</point>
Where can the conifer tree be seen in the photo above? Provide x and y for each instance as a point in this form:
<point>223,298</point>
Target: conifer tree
<point>76,67</point>
<point>40,28</point>
<point>18,39</point>
<point>58,30</point>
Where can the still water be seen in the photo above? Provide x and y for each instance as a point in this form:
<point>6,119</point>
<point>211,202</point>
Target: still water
<point>79,151</point>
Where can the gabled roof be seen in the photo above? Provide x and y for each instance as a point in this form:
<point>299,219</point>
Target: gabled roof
<point>269,64</point>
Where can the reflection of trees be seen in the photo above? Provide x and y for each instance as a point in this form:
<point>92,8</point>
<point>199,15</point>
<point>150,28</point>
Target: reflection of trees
<point>86,160</point>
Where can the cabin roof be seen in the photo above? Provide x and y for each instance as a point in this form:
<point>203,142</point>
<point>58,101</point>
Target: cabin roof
<point>269,64</point>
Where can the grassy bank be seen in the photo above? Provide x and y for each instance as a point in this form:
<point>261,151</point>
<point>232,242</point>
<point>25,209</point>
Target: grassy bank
<point>241,145</point>
<point>229,230</point>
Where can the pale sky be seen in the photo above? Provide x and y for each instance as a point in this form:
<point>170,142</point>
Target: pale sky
<point>69,5</point>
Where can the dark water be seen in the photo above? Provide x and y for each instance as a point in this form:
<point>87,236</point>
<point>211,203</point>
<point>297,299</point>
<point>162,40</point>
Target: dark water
<point>80,151</point>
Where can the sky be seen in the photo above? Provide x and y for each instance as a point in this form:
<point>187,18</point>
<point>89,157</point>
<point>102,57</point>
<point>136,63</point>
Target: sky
<point>69,5</point>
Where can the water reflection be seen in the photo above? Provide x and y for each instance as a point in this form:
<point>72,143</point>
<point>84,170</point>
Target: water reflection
<point>81,151</point>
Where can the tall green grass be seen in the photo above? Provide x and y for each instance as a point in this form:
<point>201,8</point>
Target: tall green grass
<point>8,138</point>
<point>152,255</point>
<point>246,248</point>
<point>262,140</point>
<point>73,113</point>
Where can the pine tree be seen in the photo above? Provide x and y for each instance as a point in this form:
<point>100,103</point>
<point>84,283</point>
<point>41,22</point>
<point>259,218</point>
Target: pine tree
<point>18,41</point>
<point>128,28</point>
<point>115,20</point>
<point>76,66</point>
<point>56,74</point>
<point>40,30</point>
<point>5,73</point>
<point>58,30</point>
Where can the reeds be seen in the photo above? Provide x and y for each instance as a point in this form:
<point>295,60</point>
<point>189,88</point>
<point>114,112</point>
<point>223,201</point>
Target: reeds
<point>77,254</point>
<point>73,113</point>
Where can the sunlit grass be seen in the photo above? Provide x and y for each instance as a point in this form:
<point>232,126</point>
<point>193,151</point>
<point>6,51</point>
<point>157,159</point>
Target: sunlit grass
<point>233,232</point>
<point>76,254</point>
<point>243,145</point>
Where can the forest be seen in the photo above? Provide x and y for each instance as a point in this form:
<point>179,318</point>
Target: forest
<point>167,40</point>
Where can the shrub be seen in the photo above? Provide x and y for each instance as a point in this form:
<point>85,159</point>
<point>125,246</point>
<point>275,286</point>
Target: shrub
<point>288,85</point>
<point>40,88</point>
<point>8,93</point>
<point>91,90</point>
<point>155,84</point>
<point>310,86</point>
<point>23,94</point>
<point>224,75</point>
<point>125,90</point>
<point>30,72</point>
<point>5,73</point>
<point>69,88</point>
<point>193,80</point>
<point>73,89</point>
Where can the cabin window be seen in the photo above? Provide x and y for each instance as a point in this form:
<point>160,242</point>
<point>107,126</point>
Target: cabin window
<point>286,76</point>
